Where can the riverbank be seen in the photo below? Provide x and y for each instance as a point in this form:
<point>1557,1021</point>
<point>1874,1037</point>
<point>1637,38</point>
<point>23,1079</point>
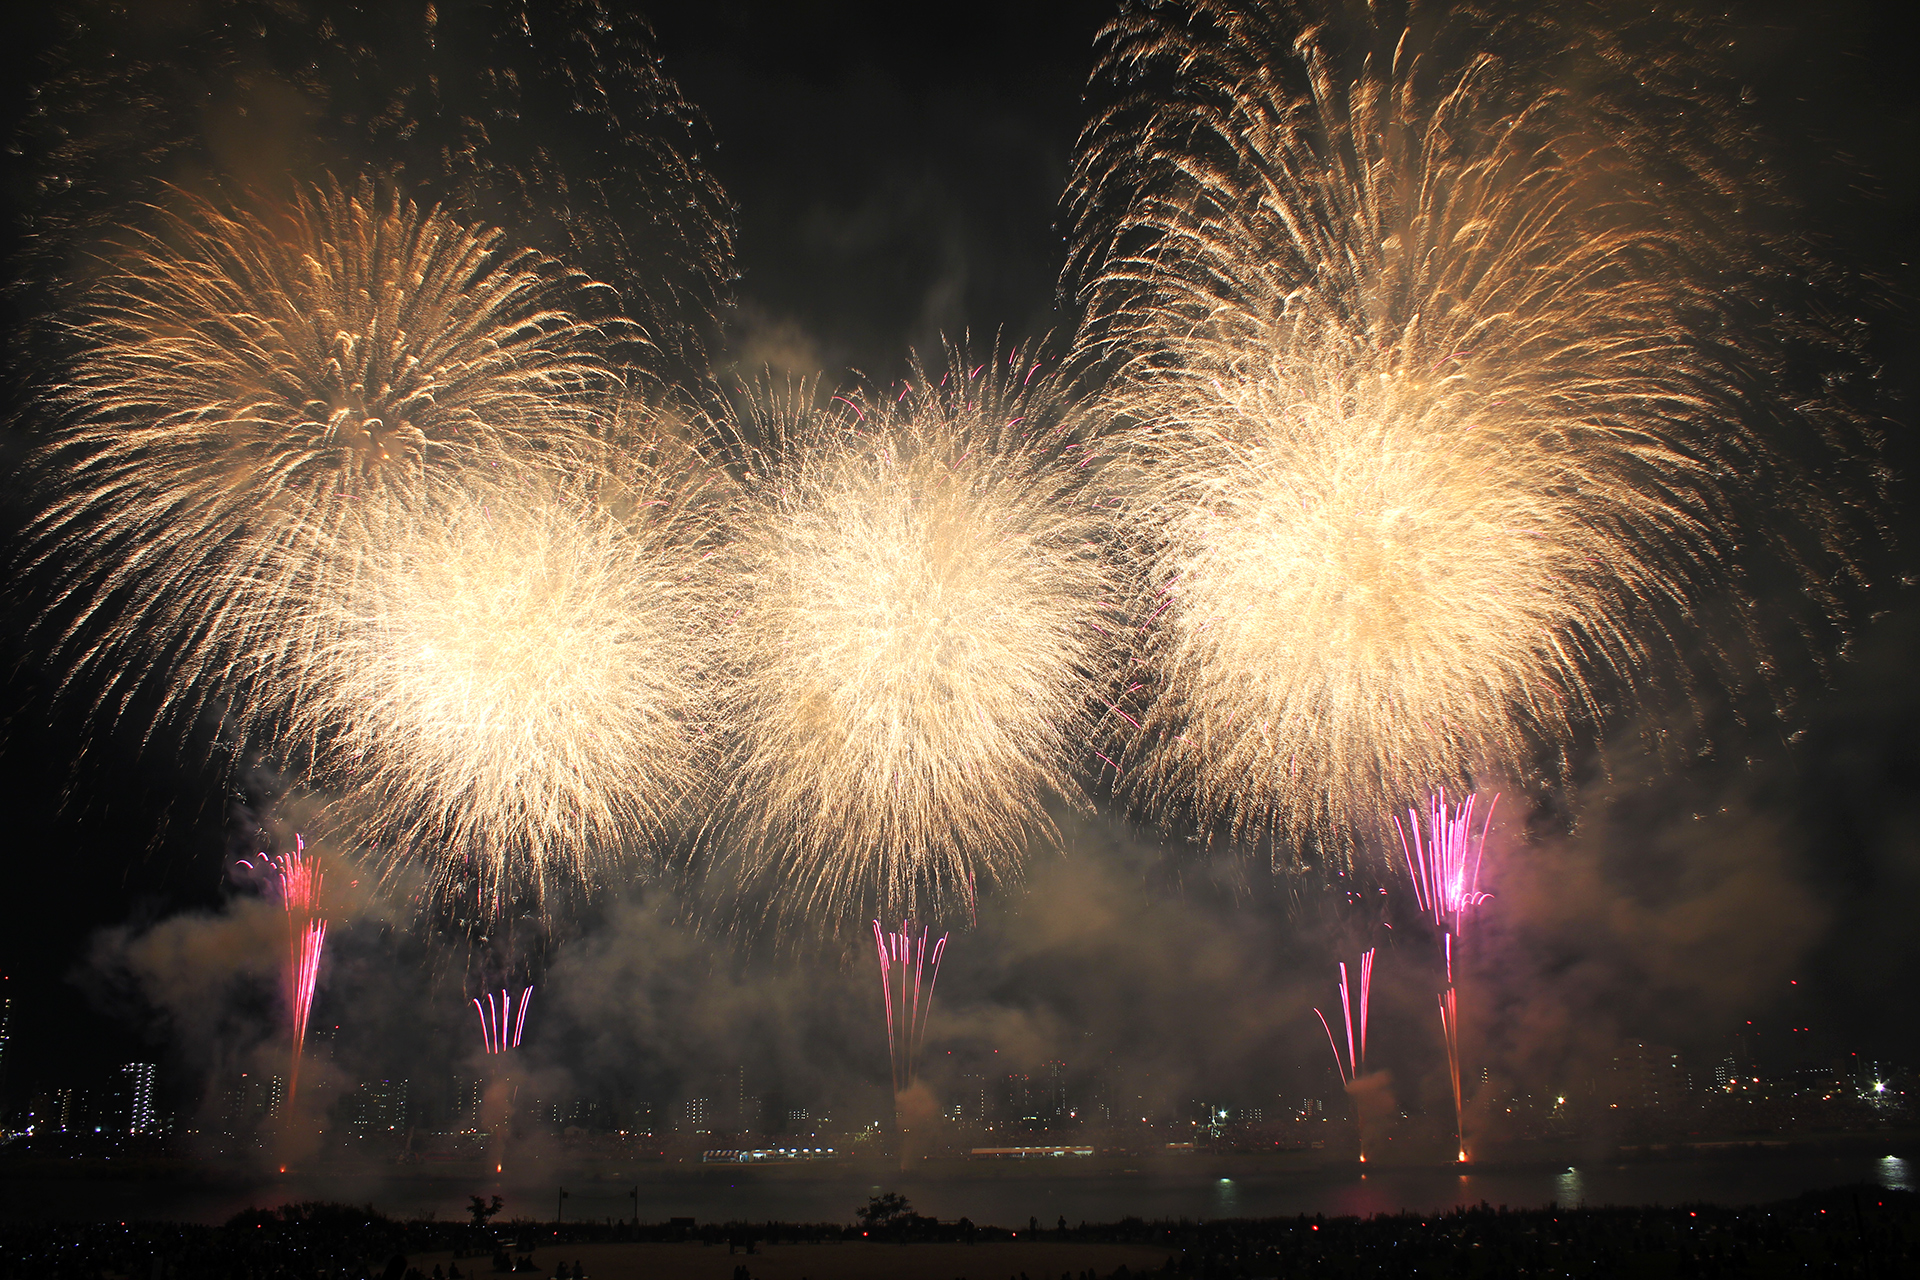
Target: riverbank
<point>1854,1230</point>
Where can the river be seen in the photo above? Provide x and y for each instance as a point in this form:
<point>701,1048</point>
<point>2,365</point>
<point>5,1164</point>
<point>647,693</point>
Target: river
<point>999,1194</point>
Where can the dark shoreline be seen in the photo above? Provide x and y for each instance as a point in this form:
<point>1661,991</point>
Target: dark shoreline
<point>1847,1230</point>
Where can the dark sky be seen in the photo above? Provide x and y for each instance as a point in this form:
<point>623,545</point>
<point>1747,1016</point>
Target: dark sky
<point>897,178</point>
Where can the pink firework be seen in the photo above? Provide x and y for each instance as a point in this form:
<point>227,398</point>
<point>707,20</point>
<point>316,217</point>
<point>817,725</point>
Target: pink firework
<point>502,1021</point>
<point>915,966</point>
<point>1354,1065</point>
<point>1443,859</point>
<point>300,884</point>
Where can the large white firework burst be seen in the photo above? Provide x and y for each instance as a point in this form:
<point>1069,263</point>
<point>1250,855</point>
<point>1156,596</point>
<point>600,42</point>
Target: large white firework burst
<point>515,692</point>
<point>258,385</point>
<point>1442,390</point>
<point>922,644</point>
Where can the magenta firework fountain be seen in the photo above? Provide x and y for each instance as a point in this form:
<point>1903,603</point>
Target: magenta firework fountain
<point>502,1020</point>
<point>300,884</point>
<point>909,963</point>
<point>1353,1012</point>
<point>1443,859</point>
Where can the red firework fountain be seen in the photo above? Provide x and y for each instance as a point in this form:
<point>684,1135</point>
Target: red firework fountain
<point>300,883</point>
<point>1443,858</point>
<point>502,1022</point>
<point>912,963</point>
<point>907,1012</point>
<point>1354,1065</point>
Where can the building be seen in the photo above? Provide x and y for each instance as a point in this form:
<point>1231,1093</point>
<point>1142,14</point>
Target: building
<point>1016,1097</point>
<point>247,1101</point>
<point>1645,1077</point>
<point>464,1107</point>
<point>138,1086</point>
<point>1053,1105</point>
<point>973,1099</point>
<point>727,1101</point>
<point>378,1107</point>
<point>6,1020</point>
<point>570,1113</point>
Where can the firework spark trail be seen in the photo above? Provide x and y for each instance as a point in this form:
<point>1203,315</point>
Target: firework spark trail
<point>1444,400</point>
<point>905,958</point>
<point>515,692</point>
<point>501,1028</point>
<point>256,390</point>
<point>1450,1031</point>
<point>557,120</point>
<point>300,885</point>
<point>1354,1065</point>
<point>926,631</point>
<point>1443,861</point>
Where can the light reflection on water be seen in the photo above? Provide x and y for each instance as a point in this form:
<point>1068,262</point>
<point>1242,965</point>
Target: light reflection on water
<point>1569,1189</point>
<point>1226,1198</point>
<point>1893,1174</point>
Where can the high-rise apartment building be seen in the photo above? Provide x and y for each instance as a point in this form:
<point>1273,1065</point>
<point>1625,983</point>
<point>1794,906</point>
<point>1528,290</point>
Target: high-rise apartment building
<point>1053,1103</point>
<point>137,1078</point>
<point>6,1019</point>
<point>379,1107</point>
<point>465,1106</point>
<point>973,1098</point>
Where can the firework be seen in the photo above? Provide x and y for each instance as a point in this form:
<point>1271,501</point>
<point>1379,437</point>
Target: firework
<point>1443,861</point>
<point>256,390</point>
<point>300,883</point>
<point>1450,1033</point>
<point>1354,1065</point>
<point>912,966</point>
<point>1444,398</point>
<point>557,120</point>
<point>923,638</point>
<point>513,692</point>
<point>502,1021</point>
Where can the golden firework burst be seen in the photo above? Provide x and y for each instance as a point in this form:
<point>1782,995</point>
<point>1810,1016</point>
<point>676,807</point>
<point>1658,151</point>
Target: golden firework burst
<point>515,691</point>
<point>922,641</point>
<point>1442,397</point>
<point>257,387</point>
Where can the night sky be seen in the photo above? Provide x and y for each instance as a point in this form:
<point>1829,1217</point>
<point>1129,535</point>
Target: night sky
<point>897,179</point>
